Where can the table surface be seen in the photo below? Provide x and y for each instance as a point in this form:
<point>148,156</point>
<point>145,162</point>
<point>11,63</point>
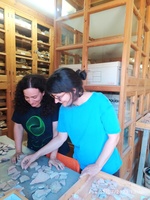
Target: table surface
<point>72,176</point>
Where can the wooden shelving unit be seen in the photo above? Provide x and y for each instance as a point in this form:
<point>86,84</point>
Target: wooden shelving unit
<point>110,31</point>
<point>25,47</point>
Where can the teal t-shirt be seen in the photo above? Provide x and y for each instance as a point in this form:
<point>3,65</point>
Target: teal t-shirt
<point>88,126</point>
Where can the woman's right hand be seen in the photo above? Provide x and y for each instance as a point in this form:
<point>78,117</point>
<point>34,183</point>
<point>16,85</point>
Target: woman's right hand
<point>16,157</point>
<point>26,162</point>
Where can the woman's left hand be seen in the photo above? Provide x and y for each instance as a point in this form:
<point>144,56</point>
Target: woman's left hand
<point>91,170</point>
<point>54,162</point>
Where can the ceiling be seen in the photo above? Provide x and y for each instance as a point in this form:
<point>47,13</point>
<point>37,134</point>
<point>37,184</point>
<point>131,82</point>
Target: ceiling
<point>46,7</point>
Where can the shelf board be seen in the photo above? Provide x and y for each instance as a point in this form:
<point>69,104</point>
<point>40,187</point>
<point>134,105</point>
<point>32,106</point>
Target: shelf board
<point>27,58</point>
<point>44,61</point>
<point>2,30</point>
<point>2,53</point>
<point>3,109</point>
<point>23,67</point>
<point>107,88</point>
<point>43,69</point>
<point>23,37</point>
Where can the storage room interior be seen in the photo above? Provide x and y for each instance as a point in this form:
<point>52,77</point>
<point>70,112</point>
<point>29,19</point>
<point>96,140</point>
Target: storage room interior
<point>110,39</point>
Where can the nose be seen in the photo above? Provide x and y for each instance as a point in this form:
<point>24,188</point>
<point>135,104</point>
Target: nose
<point>30,101</point>
<point>57,101</point>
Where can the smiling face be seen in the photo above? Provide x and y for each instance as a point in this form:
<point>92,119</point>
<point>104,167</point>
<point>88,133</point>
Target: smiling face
<point>33,96</point>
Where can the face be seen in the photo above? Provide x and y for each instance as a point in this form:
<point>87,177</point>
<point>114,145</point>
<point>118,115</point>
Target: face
<point>65,98</point>
<point>33,96</point>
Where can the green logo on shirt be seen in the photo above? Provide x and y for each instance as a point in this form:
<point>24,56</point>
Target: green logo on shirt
<point>35,125</point>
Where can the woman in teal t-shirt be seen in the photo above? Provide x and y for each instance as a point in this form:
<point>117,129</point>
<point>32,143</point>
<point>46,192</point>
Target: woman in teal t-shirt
<point>90,121</point>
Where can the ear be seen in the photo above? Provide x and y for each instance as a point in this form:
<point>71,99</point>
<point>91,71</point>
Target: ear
<point>43,93</point>
<point>74,90</point>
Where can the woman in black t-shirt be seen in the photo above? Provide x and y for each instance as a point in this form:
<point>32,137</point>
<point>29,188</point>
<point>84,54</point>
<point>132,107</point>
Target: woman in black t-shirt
<point>36,113</point>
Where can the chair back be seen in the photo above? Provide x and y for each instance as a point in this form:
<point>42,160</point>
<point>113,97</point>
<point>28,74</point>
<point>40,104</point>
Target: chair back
<point>68,162</point>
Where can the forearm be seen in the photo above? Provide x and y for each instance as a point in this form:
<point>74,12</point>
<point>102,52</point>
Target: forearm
<point>53,154</point>
<point>18,137</point>
<point>107,150</point>
<point>52,146</point>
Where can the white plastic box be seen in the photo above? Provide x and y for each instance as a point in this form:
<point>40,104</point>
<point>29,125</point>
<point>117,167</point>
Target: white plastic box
<point>102,73</point>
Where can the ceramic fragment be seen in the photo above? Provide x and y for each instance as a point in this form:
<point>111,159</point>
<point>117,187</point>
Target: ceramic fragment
<point>63,173</point>
<point>16,175</point>
<point>34,175</point>
<point>117,197</point>
<point>40,194</point>
<point>33,165</point>
<point>11,167</point>
<point>62,182</point>
<point>12,183</point>
<point>62,177</point>
<point>108,189</point>
<point>37,167</point>
<point>103,196</point>
<point>75,197</point>
<point>4,159</point>
<point>12,170</point>
<point>24,178</point>
<point>126,192</point>
<point>20,159</point>
<point>41,186</point>
<point>7,187</point>
<point>55,186</point>
<point>25,171</point>
<point>45,168</point>
<point>4,148</point>
<point>2,185</point>
<point>54,174</point>
<point>10,146</point>
<point>1,152</point>
<point>41,177</point>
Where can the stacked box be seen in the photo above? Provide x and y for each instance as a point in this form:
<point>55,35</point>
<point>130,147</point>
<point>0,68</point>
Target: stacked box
<point>103,73</point>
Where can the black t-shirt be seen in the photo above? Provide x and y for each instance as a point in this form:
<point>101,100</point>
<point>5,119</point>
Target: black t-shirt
<point>39,128</point>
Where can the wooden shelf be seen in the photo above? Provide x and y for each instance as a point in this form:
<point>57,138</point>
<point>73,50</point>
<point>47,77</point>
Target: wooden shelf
<point>104,88</point>
<point>19,28</point>
<point>126,41</point>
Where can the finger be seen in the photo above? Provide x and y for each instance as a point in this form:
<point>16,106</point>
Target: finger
<point>25,163</point>
<point>13,159</point>
<point>49,164</point>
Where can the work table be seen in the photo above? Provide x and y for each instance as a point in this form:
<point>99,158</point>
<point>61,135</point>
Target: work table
<point>79,188</point>
<point>72,176</point>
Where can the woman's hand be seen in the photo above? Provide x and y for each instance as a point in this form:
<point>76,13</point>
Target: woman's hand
<point>16,157</point>
<point>54,162</point>
<point>91,170</point>
<point>26,162</point>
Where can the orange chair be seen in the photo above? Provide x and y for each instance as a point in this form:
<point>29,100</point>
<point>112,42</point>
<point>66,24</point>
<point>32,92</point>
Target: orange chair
<point>68,161</point>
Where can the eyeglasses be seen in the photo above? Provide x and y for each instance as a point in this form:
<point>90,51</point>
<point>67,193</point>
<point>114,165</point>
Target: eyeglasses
<point>59,98</point>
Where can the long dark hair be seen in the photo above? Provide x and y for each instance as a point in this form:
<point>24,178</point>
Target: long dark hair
<point>65,80</point>
<point>33,81</point>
